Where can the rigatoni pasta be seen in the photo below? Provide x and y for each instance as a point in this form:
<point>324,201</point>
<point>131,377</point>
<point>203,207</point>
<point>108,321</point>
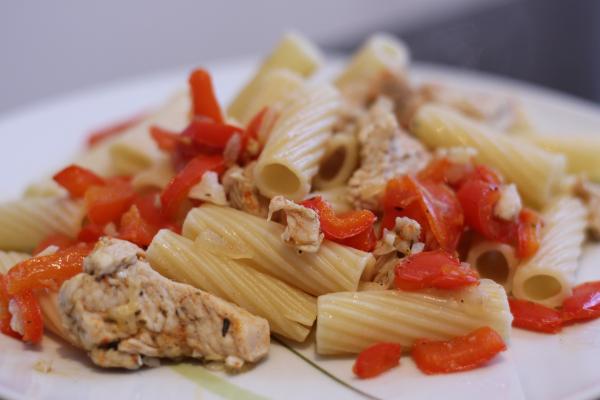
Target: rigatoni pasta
<point>549,275</point>
<point>349,322</point>
<point>295,145</point>
<point>536,172</point>
<point>333,268</point>
<point>495,261</point>
<point>339,161</point>
<point>289,311</point>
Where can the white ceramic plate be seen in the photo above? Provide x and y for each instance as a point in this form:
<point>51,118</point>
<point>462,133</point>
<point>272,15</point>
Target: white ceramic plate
<point>38,140</point>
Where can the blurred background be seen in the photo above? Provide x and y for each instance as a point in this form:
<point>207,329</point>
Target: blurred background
<point>54,47</point>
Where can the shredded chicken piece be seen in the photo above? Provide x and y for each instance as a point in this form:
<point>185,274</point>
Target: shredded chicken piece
<point>386,152</point>
<point>303,230</point>
<point>590,194</point>
<point>241,190</point>
<point>509,204</point>
<point>209,189</point>
<point>127,315</point>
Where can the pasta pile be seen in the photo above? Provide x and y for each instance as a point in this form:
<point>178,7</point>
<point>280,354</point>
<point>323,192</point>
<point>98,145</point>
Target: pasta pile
<point>338,207</point>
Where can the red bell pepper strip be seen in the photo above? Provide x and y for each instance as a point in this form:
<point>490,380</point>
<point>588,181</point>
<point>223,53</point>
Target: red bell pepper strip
<point>59,240</point>
<point>46,271</point>
<point>433,269</point>
<point>343,226</point>
<point>364,241</point>
<point>433,205</point>
<point>250,135</point>
<point>535,317</point>
<point>77,180</point>
<point>528,233</point>
<point>90,233</point>
<point>204,101</point>
<point>377,359</point>
<point>177,190</point>
<point>107,203</point>
<point>458,354</point>
<point>100,135</point>
<point>583,304</point>
<point>165,140</point>
<point>136,229</point>
<point>208,135</point>
<point>31,315</point>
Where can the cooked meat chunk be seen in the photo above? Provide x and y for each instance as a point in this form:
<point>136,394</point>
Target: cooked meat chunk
<point>386,152</point>
<point>241,190</point>
<point>590,193</point>
<point>125,314</point>
<point>303,229</point>
<point>209,189</point>
<point>509,204</point>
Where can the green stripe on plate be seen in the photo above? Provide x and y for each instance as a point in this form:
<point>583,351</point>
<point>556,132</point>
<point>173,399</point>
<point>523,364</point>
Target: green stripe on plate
<point>215,384</point>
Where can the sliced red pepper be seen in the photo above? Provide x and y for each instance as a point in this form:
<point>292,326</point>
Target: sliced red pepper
<point>364,241</point>
<point>377,359</point>
<point>5,316</point>
<point>59,240</point>
<point>204,101</point>
<point>528,233</point>
<point>90,233</point>
<point>166,140</point>
<point>174,195</point>
<point>583,304</point>
<point>46,271</point>
<point>458,354</point>
<point>433,205</point>
<point>107,203</point>
<point>100,135</point>
<point>136,229</point>
<point>534,317</point>
<point>77,180</point>
<point>31,314</point>
<point>343,226</point>
<point>433,269</point>
<point>208,135</point>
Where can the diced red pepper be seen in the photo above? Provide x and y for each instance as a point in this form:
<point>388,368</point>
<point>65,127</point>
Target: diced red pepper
<point>433,205</point>
<point>107,203</point>
<point>343,226</point>
<point>208,135</point>
<point>204,101</point>
<point>364,241</point>
<point>31,314</point>
<point>90,233</point>
<point>165,140</point>
<point>377,359</point>
<point>59,240</point>
<point>113,130</point>
<point>535,317</point>
<point>433,269</point>
<point>174,195</point>
<point>77,180</point>
<point>136,229</point>
<point>46,271</point>
<point>458,354</point>
<point>528,233</point>
<point>583,304</point>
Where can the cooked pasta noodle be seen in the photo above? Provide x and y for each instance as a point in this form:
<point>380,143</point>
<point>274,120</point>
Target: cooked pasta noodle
<point>581,151</point>
<point>333,268</point>
<point>26,222</point>
<point>348,322</point>
<point>339,162</point>
<point>44,188</point>
<point>549,275</point>
<point>272,87</point>
<point>295,146</point>
<point>380,53</point>
<point>289,311</point>
<point>157,176</point>
<point>536,172</point>
<point>493,260</point>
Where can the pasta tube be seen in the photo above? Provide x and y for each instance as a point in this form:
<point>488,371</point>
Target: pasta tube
<point>289,311</point>
<point>273,86</point>
<point>549,275</point>
<point>293,52</point>
<point>495,261</point>
<point>339,162</point>
<point>296,143</point>
<point>536,172</point>
<point>380,53</point>
<point>349,322</point>
<point>25,223</point>
<point>256,243</point>
<point>157,176</point>
<point>581,151</point>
